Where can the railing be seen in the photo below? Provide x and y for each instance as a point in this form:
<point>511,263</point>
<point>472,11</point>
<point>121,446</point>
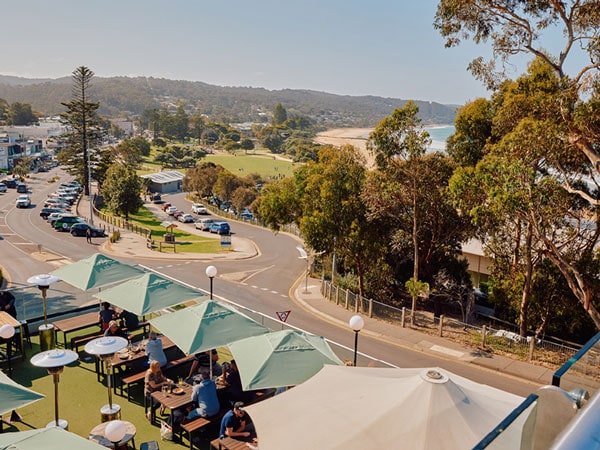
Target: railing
<point>487,336</point>
<point>121,223</point>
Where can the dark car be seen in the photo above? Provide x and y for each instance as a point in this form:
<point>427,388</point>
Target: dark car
<point>45,212</point>
<point>80,229</point>
<point>22,188</point>
<point>10,183</point>
<point>156,198</point>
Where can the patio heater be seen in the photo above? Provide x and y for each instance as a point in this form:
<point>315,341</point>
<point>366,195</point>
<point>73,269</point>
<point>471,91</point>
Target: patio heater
<point>46,331</point>
<point>211,273</point>
<point>104,348</point>
<point>356,323</point>
<point>54,361</point>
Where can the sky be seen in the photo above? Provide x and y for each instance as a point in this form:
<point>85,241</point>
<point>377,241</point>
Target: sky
<point>385,48</point>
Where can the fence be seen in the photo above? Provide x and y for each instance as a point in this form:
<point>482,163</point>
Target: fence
<point>120,223</point>
<point>485,336</point>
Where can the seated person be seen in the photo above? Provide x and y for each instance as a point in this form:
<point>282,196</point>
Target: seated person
<point>237,424</point>
<point>114,330</point>
<point>201,363</point>
<point>154,381</point>
<point>204,395</point>
<point>106,315</point>
<point>231,379</point>
<point>129,320</point>
<point>154,350</point>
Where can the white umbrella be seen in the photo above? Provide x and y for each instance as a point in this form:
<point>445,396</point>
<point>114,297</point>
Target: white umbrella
<point>364,407</point>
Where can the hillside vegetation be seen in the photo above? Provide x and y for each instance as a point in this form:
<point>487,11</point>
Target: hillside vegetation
<point>118,95</point>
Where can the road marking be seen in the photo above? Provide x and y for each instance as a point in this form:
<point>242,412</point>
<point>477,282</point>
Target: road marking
<point>447,351</point>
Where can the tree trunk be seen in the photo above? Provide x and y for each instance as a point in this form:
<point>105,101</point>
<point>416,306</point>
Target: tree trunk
<point>526,295</point>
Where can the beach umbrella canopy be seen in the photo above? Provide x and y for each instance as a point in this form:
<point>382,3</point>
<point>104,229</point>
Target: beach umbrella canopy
<point>47,438</point>
<point>96,271</point>
<point>368,407</point>
<point>281,358</point>
<point>205,326</point>
<point>148,293</point>
<point>13,395</point>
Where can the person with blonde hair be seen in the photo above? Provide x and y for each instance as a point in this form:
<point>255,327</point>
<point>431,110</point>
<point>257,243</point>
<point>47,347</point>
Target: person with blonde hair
<point>154,381</point>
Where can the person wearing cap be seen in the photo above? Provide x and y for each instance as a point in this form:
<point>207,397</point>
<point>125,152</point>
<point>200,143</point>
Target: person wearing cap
<point>237,424</point>
<point>154,350</point>
<point>201,363</point>
<point>114,330</point>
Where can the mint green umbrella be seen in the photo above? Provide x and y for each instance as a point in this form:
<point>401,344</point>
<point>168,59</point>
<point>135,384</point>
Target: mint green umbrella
<point>96,271</point>
<point>281,358</point>
<point>46,438</point>
<point>209,325</point>
<point>148,293</point>
<point>13,395</point>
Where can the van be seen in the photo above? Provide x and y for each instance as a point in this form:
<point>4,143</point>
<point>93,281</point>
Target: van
<point>22,188</point>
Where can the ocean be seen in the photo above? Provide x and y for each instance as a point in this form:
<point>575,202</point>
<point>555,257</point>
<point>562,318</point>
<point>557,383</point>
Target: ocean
<point>439,134</point>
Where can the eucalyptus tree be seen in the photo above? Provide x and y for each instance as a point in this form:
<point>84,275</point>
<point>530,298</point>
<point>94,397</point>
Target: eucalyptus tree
<point>122,190</point>
<point>83,126</point>
<point>569,122</point>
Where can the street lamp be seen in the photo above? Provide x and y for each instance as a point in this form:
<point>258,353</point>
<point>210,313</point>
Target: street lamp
<point>104,348</point>
<point>115,431</point>
<point>211,273</point>
<point>46,331</point>
<point>6,333</point>
<point>356,323</point>
<point>54,361</point>
<point>89,164</point>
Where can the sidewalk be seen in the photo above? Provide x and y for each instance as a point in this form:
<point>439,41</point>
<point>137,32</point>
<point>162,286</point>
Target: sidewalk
<point>131,244</point>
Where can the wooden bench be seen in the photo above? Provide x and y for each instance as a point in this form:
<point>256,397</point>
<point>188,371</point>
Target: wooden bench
<point>139,376</point>
<point>230,444</point>
<point>76,323</point>
<point>82,340</point>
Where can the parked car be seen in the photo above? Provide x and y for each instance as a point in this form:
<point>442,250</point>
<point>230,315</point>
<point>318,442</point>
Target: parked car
<point>65,222</point>
<point>199,208</point>
<point>3,187</point>
<point>177,214</point>
<point>246,214</point>
<point>53,217</point>
<point>220,228</point>
<point>171,210</point>
<point>165,206</point>
<point>80,229</point>
<point>156,198</point>
<point>22,188</point>
<point>204,224</point>
<point>45,212</point>
<point>23,201</point>
<point>10,182</point>
<point>186,218</point>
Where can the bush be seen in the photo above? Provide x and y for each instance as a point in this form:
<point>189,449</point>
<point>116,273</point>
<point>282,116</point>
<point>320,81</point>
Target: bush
<point>115,236</point>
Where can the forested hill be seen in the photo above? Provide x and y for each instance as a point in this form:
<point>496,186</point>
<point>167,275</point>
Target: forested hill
<point>118,95</point>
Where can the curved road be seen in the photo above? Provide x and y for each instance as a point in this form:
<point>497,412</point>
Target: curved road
<point>262,283</point>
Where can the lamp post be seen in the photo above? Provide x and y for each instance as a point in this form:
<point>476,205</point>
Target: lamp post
<point>357,323</point>
<point>54,361</point>
<point>211,273</point>
<point>104,348</point>
<point>115,431</point>
<point>6,333</point>
<point>46,331</point>
<point>89,164</point>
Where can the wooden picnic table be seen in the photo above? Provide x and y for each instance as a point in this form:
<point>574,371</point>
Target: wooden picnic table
<point>228,443</point>
<point>76,323</point>
<point>129,357</point>
<point>171,400</point>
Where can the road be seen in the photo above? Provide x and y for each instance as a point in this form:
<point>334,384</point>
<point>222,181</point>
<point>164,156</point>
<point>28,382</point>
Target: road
<point>262,283</point>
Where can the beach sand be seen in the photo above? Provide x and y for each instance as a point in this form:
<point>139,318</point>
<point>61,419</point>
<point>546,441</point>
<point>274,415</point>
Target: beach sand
<point>352,136</point>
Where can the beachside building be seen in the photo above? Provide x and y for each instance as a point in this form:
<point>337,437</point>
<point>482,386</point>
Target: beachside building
<point>165,182</point>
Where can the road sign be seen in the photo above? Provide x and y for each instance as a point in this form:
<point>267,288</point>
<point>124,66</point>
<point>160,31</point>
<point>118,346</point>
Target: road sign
<point>283,315</point>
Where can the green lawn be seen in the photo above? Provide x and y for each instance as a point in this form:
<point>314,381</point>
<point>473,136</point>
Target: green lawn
<point>186,242</point>
<point>240,164</point>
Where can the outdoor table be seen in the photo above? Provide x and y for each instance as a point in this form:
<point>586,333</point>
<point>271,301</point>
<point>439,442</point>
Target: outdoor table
<point>76,323</point>
<point>172,401</point>
<point>97,435</point>
<point>7,319</point>
<point>228,443</point>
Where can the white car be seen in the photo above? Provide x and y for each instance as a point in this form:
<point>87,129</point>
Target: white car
<point>3,187</point>
<point>204,224</point>
<point>23,201</point>
<point>186,218</point>
<point>199,208</point>
<point>171,210</point>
